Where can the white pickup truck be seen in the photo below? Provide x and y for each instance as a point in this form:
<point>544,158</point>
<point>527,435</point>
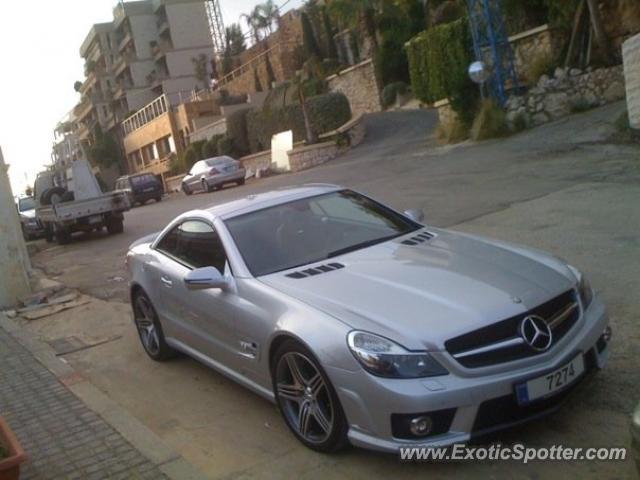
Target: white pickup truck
<point>72,201</point>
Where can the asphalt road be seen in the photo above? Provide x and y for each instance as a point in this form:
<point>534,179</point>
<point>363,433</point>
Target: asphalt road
<point>562,187</point>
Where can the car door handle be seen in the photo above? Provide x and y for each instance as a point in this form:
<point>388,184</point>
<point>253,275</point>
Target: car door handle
<point>166,282</point>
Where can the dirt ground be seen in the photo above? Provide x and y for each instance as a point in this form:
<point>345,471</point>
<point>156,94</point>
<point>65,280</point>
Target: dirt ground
<point>561,188</point>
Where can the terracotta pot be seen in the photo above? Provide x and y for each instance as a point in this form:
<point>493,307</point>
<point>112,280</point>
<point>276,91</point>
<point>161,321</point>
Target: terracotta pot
<point>10,466</point>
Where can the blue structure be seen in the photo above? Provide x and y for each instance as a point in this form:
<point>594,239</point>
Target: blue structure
<point>491,45</point>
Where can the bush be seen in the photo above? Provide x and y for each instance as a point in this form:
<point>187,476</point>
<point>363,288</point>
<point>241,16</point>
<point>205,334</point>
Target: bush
<point>327,112</point>
<point>227,99</point>
<point>438,63</point>
<point>237,132</point>
<point>542,64</point>
<point>177,165</point>
<point>490,122</point>
<point>390,92</point>
<point>225,146</point>
<point>193,153</point>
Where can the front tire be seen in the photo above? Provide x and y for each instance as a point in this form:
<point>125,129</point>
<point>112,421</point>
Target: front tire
<point>307,400</point>
<point>186,190</point>
<point>150,330</point>
<point>115,226</point>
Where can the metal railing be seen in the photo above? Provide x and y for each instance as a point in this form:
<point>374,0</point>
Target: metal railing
<point>205,93</point>
<point>146,114</point>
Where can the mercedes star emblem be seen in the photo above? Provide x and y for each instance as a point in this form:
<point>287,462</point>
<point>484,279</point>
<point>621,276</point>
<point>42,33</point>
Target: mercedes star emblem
<point>536,333</point>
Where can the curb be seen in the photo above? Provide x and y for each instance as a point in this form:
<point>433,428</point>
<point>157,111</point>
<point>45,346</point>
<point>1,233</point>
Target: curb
<point>169,462</point>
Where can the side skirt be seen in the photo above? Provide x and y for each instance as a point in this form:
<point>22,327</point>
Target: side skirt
<point>226,371</point>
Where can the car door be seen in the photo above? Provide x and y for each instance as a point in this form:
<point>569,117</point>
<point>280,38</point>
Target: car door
<point>204,318</point>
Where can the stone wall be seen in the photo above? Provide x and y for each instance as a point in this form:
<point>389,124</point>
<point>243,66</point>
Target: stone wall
<point>631,54</point>
<point>257,161</point>
<point>309,156</point>
<point>531,45</point>
<point>566,92</point>
<point>360,85</point>
<point>302,157</point>
<point>205,133</point>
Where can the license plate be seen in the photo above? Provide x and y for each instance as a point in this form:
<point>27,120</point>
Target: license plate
<point>95,219</point>
<point>551,383</point>
<point>149,189</point>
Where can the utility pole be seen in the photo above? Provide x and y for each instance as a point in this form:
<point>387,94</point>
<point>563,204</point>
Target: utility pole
<point>14,262</point>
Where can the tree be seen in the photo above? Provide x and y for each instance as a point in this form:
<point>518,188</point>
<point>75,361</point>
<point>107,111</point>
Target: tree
<point>310,45</point>
<point>332,51</point>
<point>105,151</point>
<point>234,39</point>
<point>77,86</point>
<point>598,29</point>
<point>358,14</point>
<point>255,21</point>
<point>270,15</point>
<point>271,77</point>
<point>201,69</point>
<point>256,81</point>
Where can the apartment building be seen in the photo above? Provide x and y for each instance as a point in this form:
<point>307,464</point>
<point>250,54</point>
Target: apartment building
<point>66,146</point>
<point>146,51</point>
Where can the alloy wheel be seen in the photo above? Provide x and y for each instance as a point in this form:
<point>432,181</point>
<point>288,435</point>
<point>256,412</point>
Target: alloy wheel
<point>145,322</point>
<point>304,397</point>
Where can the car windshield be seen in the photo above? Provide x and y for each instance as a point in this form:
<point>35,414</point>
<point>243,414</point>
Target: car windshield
<point>313,229</point>
<point>212,162</point>
<point>25,204</point>
<point>141,179</point>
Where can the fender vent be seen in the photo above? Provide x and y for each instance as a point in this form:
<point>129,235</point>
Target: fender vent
<point>310,272</point>
<point>420,238</point>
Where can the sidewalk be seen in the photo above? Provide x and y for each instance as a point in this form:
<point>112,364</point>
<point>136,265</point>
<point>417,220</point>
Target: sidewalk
<point>62,436</point>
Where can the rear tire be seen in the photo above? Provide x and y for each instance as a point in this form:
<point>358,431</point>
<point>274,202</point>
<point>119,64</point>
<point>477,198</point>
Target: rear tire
<point>115,226</point>
<point>63,235</point>
<point>150,329</point>
<point>158,199</point>
<point>241,182</point>
<point>48,233</point>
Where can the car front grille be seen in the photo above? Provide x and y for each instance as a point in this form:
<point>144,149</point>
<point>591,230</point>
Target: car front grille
<point>501,342</point>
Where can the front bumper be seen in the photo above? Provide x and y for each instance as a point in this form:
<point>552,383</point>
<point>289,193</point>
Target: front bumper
<point>467,403</point>
<point>32,229</point>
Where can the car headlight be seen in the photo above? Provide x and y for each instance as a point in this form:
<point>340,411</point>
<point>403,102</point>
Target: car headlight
<point>384,358</point>
<point>584,287</point>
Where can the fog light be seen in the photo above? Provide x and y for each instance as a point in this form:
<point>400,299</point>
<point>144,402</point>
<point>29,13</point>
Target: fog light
<point>606,335</point>
<point>421,426</point>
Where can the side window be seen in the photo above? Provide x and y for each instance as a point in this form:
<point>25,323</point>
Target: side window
<point>196,244</point>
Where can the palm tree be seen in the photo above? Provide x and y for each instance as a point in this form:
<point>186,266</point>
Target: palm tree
<point>270,14</point>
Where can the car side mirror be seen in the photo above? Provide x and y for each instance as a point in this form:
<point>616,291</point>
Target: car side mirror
<point>415,214</point>
<point>205,278</point>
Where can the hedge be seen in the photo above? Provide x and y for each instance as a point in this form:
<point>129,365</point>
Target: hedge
<point>327,112</point>
<point>439,59</point>
<point>237,132</point>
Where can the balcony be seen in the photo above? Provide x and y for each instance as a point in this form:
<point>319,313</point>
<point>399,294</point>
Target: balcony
<point>163,25</point>
<point>83,109</point>
<point>123,62</point>
<point>126,39</point>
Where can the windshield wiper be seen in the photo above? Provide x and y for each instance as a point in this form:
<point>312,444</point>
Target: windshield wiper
<point>360,246</point>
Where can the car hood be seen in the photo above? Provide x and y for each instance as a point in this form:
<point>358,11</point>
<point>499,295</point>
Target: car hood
<point>28,214</point>
<point>424,294</point>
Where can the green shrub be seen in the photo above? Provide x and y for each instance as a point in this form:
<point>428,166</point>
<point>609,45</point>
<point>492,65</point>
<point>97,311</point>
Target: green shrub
<point>438,63</point>
<point>390,92</point>
<point>327,112</point>
<point>490,122</point>
<point>177,165</point>
<point>226,99</point>
<point>225,146</point>
<point>237,132</point>
<point>193,153</point>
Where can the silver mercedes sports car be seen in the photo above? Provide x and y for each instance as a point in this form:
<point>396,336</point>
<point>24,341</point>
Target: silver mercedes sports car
<point>364,325</point>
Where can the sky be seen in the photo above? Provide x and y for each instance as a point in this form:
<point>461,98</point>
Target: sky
<point>39,63</point>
